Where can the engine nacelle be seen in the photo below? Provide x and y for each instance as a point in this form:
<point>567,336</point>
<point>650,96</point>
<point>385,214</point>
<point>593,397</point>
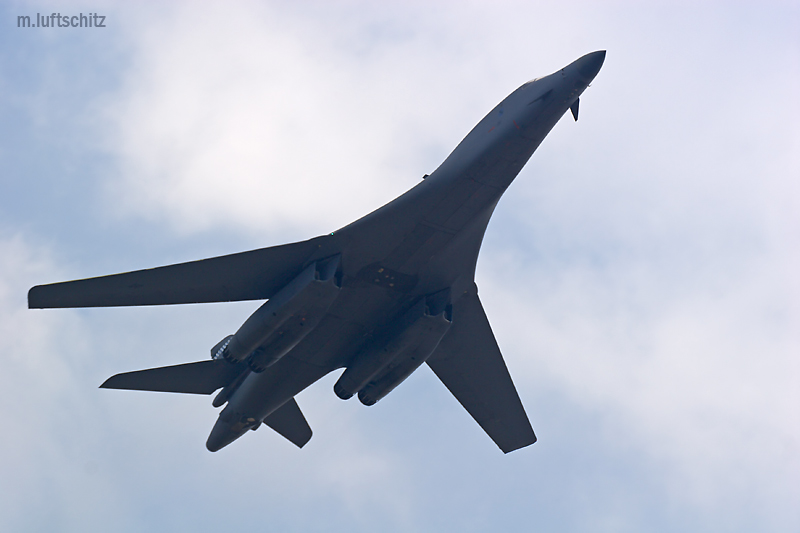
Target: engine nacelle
<point>218,351</point>
<point>227,391</point>
<point>402,366</point>
<point>286,318</point>
<point>382,365</point>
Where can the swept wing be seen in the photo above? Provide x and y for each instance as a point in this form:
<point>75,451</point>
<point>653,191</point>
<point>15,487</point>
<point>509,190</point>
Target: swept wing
<point>254,275</point>
<point>470,365</point>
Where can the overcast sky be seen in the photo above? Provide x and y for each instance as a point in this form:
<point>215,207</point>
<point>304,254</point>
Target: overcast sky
<point>641,274</point>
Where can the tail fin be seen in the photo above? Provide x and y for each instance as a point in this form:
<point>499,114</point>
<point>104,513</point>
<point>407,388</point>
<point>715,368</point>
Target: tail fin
<point>203,377</point>
<point>289,421</point>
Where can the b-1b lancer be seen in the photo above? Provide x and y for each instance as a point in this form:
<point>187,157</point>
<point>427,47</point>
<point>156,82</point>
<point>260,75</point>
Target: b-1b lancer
<point>379,297</point>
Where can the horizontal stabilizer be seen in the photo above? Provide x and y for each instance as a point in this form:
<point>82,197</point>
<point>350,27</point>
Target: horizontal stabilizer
<point>470,365</point>
<point>289,421</point>
<point>203,377</point>
<point>254,275</point>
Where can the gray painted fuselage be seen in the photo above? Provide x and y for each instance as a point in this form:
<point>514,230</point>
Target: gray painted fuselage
<point>424,241</point>
<point>380,297</point>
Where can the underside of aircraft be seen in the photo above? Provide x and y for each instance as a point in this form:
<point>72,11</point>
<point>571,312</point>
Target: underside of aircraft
<point>379,298</point>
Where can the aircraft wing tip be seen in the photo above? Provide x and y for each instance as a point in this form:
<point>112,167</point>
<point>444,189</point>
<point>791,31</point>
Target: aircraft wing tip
<point>33,299</point>
<point>109,383</point>
<point>307,438</point>
<point>518,446</point>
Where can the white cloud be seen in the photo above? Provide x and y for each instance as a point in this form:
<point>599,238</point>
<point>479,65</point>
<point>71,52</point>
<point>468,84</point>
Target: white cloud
<point>45,359</point>
<point>643,267</point>
<point>92,457</point>
<point>660,300</point>
<point>244,117</point>
<point>684,342</point>
<point>258,117</point>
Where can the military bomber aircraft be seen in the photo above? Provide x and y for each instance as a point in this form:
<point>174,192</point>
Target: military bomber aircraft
<point>379,297</point>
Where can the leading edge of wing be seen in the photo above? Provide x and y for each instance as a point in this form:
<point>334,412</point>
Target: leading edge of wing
<point>469,363</point>
<point>253,275</point>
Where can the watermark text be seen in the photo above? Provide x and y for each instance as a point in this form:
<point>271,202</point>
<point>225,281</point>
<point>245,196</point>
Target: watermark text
<point>57,20</point>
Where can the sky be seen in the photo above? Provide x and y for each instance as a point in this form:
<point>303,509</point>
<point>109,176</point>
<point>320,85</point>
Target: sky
<point>640,274</point>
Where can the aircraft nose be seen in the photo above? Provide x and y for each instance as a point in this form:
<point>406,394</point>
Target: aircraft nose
<point>589,65</point>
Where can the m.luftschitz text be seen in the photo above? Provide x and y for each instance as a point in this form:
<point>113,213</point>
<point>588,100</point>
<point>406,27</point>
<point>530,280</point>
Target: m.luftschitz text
<point>57,20</point>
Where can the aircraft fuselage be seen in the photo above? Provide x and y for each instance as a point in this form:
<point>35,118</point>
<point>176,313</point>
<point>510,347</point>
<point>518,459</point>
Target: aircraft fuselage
<point>425,241</point>
<point>380,297</point>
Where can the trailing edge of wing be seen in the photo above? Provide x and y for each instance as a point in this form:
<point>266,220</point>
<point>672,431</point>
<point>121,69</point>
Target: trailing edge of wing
<point>289,422</point>
<point>470,365</point>
<point>203,377</point>
<point>254,275</point>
